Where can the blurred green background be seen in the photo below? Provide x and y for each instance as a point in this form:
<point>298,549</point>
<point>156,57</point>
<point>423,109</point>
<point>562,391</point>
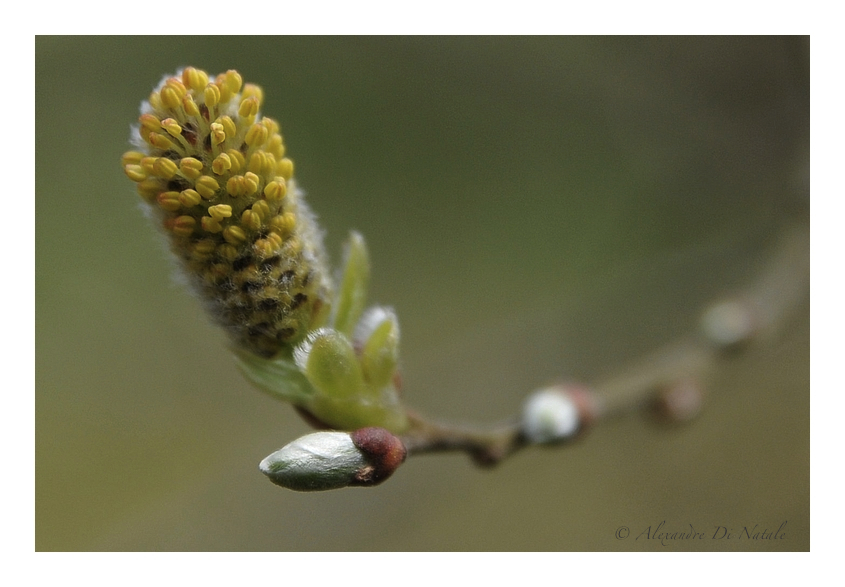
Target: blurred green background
<point>536,208</point>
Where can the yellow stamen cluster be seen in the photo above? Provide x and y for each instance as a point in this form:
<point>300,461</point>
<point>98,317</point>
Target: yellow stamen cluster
<point>214,172</point>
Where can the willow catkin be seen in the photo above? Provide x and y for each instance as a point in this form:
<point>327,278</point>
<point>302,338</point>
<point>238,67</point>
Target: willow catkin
<point>213,172</point>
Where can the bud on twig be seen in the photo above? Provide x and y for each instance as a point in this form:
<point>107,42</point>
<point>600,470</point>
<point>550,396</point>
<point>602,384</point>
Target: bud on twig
<point>332,460</point>
<point>679,401</point>
<point>728,323</point>
<point>557,413</point>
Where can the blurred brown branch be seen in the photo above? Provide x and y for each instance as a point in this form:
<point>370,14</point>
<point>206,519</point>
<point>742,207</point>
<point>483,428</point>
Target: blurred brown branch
<point>669,381</point>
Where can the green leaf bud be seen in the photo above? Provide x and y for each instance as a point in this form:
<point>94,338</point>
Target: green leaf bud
<point>342,398</point>
<point>352,295</point>
<point>328,361</point>
<point>377,335</point>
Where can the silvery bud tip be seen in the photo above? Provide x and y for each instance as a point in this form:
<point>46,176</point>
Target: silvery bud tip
<point>331,460</point>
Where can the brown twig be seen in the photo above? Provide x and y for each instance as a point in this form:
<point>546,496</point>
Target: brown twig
<point>670,376</point>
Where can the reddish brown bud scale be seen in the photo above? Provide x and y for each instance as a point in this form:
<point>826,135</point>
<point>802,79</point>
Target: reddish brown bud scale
<point>585,402</point>
<point>678,402</point>
<point>383,451</point>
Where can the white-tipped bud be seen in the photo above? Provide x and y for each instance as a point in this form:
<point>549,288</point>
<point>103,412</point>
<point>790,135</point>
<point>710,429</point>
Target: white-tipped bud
<point>371,320</point>
<point>728,323</point>
<point>557,413</point>
<point>376,338</point>
<point>315,462</point>
<point>331,460</point>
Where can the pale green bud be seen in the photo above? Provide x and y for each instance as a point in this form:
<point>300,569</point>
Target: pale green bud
<point>332,460</point>
<point>377,335</point>
<point>328,361</point>
<point>342,398</point>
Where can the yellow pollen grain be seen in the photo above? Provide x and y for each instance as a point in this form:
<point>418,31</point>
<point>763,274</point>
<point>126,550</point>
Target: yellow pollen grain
<point>189,198</point>
<point>207,186</point>
<point>274,145</point>
<point>225,94</point>
<point>237,159</point>
<point>256,135</point>
<point>205,246</point>
<point>183,225</point>
<point>189,106</point>
<point>132,158</point>
<point>227,251</point>
<point>190,167</point>
<point>257,162</point>
<point>275,239</point>
<point>170,98</point>
<point>210,224</point>
<point>195,79</point>
<point>261,208</point>
<point>155,101</point>
<point>268,169</point>
<point>253,91</point>
<point>172,127</point>
<point>177,86</point>
<point>234,235</point>
<point>216,272</point>
<point>250,220</point>
<point>218,133</point>
<point>235,186</point>
<point>233,81</point>
<point>264,247</point>
<point>159,141</point>
<point>169,201</point>
<point>271,125</point>
<point>285,168</point>
<point>248,107</point>
<point>148,164</point>
<point>164,168</point>
<point>251,183</point>
<point>149,188</point>
<point>150,122</point>
<point>135,172</point>
<point>229,126</point>
<point>283,223</point>
<point>276,189</point>
<point>211,95</point>
<point>145,134</point>
<point>221,164</point>
<point>220,211</point>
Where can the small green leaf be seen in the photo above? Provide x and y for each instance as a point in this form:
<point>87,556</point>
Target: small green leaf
<point>380,353</point>
<point>353,288</point>
<point>279,377</point>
